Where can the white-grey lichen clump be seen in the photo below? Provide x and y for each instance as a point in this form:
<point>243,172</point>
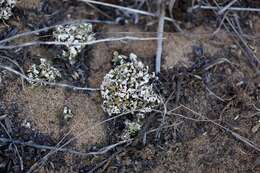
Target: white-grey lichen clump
<point>75,33</point>
<point>6,7</point>
<point>128,88</point>
<point>131,129</point>
<point>67,113</point>
<point>44,71</point>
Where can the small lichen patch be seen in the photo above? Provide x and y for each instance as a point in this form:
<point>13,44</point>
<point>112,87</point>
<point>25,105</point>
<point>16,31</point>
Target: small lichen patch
<point>128,88</point>
<point>44,71</point>
<point>131,130</point>
<point>6,7</point>
<point>74,34</point>
<point>67,113</point>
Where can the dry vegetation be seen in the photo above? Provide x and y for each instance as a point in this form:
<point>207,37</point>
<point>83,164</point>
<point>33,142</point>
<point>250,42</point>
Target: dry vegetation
<point>206,55</point>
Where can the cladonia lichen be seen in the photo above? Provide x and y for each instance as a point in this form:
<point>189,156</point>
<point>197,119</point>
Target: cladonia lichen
<point>6,7</point>
<point>131,129</point>
<point>73,34</point>
<point>44,71</point>
<point>67,113</point>
<point>128,88</point>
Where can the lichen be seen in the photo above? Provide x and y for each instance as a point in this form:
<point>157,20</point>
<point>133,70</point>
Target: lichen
<point>67,113</point>
<point>6,7</point>
<point>131,129</point>
<point>128,88</point>
<point>76,33</point>
<point>44,71</point>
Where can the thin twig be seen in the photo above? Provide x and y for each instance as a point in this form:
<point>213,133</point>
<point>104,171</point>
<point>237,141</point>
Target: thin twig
<point>220,25</point>
<point>54,26</point>
<point>162,122</point>
<point>66,150</point>
<point>220,12</point>
<point>253,59</point>
<point>134,11</point>
<point>100,11</point>
<point>39,81</point>
<point>230,8</point>
<point>160,38</point>
<point>164,127</point>
<point>75,44</point>
<point>45,158</point>
<point>15,147</point>
<point>205,119</point>
<point>17,65</point>
<point>241,138</point>
<point>171,5</point>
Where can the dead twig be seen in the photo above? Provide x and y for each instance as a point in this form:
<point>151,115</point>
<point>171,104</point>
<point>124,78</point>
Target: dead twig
<point>165,127</point>
<point>220,12</point>
<point>252,58</point>
<point>15,147</point>
<point>38,81</point>
<point>205,119</point>
<point>53,26</point>
<point>160,38</point>
<point>17,65</point>
<point>83,43</point>
<point>100,11</point>
<point>171,5</point>
<point>230,8</point>
<point>65,150</point>
<point>239,137</point>
<point>134,11</point>
<point>42,161</point>
<point>163,120</point>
